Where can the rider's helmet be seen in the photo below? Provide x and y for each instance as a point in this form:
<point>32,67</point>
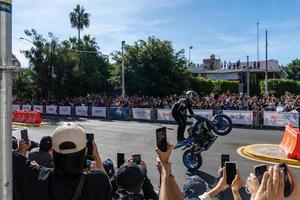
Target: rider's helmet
<point>191,96</point>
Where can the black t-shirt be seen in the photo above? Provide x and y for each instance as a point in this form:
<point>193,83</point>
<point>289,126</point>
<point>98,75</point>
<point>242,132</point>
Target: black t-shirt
<point>36,183</point>
<point>180,107</point>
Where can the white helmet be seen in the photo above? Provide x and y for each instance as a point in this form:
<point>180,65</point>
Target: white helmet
<point>191,95</point>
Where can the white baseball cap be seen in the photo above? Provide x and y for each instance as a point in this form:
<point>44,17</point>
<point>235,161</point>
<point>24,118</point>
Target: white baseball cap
<point>69,133</point>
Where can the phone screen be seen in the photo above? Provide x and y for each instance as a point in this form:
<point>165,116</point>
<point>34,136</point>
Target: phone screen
<point>259,171</point>
<point>287,184</point>
<point>161,139</point>
<point>230,171</point>
<point>224,158</point>
<point>89,143</point>
<point>120,159</point>
<point>24,135</point>
<point>137,158</point>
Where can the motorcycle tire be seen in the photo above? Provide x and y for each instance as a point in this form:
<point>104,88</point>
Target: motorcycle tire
<point>221,125</point>
<point>192,162</point>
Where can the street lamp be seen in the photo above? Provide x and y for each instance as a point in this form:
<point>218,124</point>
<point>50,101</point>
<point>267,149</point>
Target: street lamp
<point>123,70</point>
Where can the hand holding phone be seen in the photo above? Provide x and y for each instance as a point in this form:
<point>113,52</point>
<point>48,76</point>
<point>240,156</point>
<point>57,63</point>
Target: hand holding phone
<point>230,171</point>
<point>89,143</point>
<point>259,171</point>
<point>120,159</point>
<point>287,184</point>
<point>161,139</point>
<point>224,158</point>
<point>24,135</point>
<point>137,158</point>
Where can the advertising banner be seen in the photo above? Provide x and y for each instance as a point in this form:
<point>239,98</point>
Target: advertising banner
<point>99,111</point>
<point>164,115</point>
<point>38,108</point>
<point>240,117</point>
<point>16,107</point>
<point>65,110</point>
<point>51,109</point>
<point>204,113</point>
<point>119,113</point>
<point>141,113</point>
<point>81,110</point>
<point>280,119</point>
<point>26,107</point>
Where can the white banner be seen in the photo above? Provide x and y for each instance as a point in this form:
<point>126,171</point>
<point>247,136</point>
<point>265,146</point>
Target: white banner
<point>38,108</point>
<point>81,110</point>
<point>204,113</point>
<point>99,111</point>
<point>240,117</point>
<point>272,118</point>
<point>65,110</point>
<point>51,109</point>
<point>164,115</point>
<point>26,107</point>
<point>15,107</point>
<point>141,113</point>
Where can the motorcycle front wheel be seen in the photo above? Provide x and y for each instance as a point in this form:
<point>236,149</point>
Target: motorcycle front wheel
<point>192,161</point>
<point>221,125</point>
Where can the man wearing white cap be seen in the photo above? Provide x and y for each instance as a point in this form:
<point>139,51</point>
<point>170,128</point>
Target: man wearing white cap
<point>67,180</point>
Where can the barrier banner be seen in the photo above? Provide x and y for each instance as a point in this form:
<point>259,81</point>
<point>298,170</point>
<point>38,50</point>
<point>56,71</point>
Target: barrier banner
<point>16,107</point>
<point>204,113</point>
<point>141,113</point>
<point>240,117</point>
<point>65,110</point>
<point>280,119</point>
<point>51,109</point>
<point>81,110</point>
<point>119,112</point>
<point>99,111</point>
<point>38,108</point>
<point>164,115</point>
<point>26,107</point>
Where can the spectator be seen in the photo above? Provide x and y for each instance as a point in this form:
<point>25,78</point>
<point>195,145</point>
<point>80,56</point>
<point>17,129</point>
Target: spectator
<point>43,155</point>
<point>109,168</point>
<point>66,180</point>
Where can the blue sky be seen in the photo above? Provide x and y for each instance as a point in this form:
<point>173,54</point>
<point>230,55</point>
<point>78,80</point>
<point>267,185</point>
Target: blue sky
<point>226,28</point>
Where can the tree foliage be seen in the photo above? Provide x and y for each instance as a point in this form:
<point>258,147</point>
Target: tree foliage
<point>152,67</point>
<point>293,69</point>
<point>79,19</point>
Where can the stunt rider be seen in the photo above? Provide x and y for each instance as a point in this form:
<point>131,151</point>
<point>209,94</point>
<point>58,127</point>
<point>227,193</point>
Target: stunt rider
<point>179,112</point>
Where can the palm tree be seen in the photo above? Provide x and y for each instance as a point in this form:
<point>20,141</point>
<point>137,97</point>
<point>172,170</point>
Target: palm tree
<point>79,19</point>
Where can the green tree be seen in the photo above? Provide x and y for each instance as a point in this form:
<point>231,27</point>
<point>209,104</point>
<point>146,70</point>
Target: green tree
<point>152,67</point>
<point>293,69</point>
<point>79,19</point>
<point>24,86</point>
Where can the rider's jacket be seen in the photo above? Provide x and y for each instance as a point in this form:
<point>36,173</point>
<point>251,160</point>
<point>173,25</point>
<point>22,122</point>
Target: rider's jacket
<point>180,107</point>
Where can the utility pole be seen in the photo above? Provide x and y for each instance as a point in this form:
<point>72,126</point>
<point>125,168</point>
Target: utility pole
<point>248,77</point>
<point>5,100</point>
<point>123,70</point>
<point>257,40</point>
<point>266,71</point>
<point>190,48</point>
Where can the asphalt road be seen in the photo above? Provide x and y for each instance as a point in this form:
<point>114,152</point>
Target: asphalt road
<point>139,137</point>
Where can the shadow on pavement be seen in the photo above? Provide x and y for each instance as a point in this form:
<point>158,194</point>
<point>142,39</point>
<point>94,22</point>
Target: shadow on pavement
<point>211,180</point>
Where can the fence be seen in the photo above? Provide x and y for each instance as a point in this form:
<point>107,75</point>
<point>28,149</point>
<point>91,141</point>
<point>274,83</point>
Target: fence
<point>249,118</point>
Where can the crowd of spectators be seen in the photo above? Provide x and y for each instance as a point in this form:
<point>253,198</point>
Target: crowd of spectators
<point>68,177</point>
<point>225,101</point>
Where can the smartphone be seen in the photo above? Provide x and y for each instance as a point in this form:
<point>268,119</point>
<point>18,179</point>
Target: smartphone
<point>224,158</point>
<point>259,171</point>
<point>137,158</point>
<point>89,143</point>
<point>120,159</point>
<point>24,135</point>
<point>88,164</point>
<point>287,184</point>
<point>161,139</point>
<point>230,171</point>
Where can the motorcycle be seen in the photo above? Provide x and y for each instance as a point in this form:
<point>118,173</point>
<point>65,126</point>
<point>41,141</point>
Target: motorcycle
<point>202,134</point>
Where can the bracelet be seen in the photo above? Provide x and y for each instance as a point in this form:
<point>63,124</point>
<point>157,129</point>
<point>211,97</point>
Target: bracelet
<point>171,175</point>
